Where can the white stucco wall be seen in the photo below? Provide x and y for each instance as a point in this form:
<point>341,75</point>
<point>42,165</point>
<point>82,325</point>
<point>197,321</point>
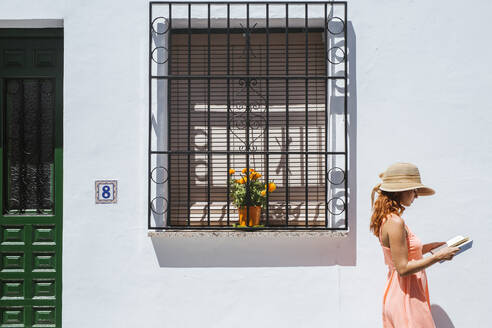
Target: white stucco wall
<point>421,77</point>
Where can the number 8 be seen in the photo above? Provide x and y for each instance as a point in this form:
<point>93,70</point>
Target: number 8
<point>106,194</point>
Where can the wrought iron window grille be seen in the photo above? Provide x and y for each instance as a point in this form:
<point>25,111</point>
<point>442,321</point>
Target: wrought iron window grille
<point>258,85</point>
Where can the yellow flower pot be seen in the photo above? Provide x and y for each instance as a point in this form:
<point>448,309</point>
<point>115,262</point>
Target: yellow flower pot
<point>254,215</point>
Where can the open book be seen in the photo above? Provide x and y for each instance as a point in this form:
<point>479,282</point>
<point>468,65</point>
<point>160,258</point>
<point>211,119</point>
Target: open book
<point>463,243</point>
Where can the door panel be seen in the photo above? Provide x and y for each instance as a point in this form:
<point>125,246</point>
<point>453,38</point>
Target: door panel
<point>31,62</point>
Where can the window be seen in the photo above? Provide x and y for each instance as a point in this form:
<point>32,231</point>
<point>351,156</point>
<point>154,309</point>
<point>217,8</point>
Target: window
<point>29,122</point>
<point>247,85</point>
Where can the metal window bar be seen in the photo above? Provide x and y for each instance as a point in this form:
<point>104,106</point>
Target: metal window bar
<point>267,108</point>
<point>228,49</point>
<point>287,139</point>
<point>256,85</point>
<point>325,52</point>
<point>306,52</point>
<point>188,206</point>
<point>209,155</point>
<point>169,71</point>
<point>345,111</point>
<point>248,109</point>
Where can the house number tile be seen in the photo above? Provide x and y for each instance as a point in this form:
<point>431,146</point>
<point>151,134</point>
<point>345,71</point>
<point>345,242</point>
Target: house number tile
<point>106,191</point>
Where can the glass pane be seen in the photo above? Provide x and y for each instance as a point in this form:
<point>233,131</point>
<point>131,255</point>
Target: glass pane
<point>30,146</point>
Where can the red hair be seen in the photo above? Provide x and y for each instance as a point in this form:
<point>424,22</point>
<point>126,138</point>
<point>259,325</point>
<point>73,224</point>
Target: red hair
<point>386,203</point>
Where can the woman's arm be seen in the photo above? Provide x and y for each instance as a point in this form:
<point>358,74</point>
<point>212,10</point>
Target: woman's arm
<point>430,246</point>
<point>395,228</point>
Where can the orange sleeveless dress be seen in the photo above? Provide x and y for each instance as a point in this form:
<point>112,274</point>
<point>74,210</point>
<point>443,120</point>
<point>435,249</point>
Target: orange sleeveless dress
<point>406,299</point>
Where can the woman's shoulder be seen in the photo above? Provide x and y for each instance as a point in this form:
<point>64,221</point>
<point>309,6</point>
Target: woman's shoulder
<point>396,225</point>
<point>393,217</point>
<point>394,220</point>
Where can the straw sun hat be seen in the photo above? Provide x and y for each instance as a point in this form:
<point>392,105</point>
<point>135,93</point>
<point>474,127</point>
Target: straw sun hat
<point>401,177</point>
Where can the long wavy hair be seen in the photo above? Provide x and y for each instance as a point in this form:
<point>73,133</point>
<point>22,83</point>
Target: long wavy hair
<point>386,203</point>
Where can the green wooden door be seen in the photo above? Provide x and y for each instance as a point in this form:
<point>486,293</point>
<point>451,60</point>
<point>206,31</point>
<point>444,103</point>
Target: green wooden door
<point>31,85</point>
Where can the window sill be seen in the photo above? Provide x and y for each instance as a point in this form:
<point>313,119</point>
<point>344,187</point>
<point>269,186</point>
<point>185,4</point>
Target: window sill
<point>193,233</point>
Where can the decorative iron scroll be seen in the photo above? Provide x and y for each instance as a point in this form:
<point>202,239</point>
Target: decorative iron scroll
<point>239,110</point>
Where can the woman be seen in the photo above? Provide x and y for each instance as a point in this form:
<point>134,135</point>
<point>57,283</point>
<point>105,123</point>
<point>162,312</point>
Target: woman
<point>406,297</point>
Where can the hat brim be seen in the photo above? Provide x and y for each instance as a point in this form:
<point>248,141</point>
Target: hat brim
<point>425,191</point>
<point>421,190</point>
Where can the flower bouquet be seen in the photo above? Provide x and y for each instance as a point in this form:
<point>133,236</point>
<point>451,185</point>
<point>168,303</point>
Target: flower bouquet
<point>257,195</point>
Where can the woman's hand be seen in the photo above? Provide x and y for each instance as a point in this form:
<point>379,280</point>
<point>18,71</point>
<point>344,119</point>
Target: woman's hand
<point>446,253</point>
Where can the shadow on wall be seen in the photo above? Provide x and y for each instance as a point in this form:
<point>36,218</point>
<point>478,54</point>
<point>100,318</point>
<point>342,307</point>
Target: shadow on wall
<point>440,316</point>
<point>208,250</point>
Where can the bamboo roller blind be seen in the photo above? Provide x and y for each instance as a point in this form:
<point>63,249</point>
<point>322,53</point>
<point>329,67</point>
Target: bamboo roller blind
<point>192,99</point>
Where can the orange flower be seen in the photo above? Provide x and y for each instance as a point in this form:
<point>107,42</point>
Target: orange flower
<point>254,176</point>
<point>272,186</point>
<point>242,180</point>
<point>232,171</point>
<point>263,192</point>
<point>244,170</point>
